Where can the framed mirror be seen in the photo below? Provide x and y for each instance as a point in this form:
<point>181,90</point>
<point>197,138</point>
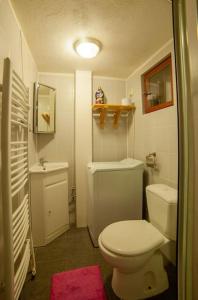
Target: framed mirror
<point>157,86</point>
<point>44,108</point>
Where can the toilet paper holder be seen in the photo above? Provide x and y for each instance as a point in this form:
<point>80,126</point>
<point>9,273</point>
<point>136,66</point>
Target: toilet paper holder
<point>151,160</point>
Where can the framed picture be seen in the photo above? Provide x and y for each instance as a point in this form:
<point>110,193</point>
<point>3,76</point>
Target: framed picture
<point>157,86</point>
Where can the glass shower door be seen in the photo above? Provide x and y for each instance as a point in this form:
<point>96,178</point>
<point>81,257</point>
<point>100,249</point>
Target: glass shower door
<point>186,50</point>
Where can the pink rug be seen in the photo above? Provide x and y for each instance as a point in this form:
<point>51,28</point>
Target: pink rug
<point>80,284</point>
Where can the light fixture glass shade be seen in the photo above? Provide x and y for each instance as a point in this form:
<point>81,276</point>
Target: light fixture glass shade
<point>87,48</point>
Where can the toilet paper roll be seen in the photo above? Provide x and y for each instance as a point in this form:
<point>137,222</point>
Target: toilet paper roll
<point>126,101</point>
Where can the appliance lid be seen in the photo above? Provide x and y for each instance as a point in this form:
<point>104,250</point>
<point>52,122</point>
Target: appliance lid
<point>126,164</point>
<point>131,238</point>
<point>164,191</point>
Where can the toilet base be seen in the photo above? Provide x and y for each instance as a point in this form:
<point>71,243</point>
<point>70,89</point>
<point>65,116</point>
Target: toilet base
<point>149,281</point>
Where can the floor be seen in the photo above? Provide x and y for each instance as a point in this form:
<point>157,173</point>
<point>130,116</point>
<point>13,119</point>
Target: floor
<point>69,251</point>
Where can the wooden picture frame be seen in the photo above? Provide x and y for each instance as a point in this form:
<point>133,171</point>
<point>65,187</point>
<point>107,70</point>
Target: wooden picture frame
<point>157,86</point>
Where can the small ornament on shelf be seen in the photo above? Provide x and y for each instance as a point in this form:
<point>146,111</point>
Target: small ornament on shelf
<point>99,95</point>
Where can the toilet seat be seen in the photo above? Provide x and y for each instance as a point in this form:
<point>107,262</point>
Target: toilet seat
<point>131,238</point>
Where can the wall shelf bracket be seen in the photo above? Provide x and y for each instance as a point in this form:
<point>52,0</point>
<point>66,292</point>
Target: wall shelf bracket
<point>116,119</point>
<point>104,110</point>
<point>102,117</point>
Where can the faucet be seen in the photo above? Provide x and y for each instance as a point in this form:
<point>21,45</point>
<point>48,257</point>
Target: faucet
<point>42,161</point>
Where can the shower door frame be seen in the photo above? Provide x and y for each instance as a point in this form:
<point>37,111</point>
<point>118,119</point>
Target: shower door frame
<point>186,53</point>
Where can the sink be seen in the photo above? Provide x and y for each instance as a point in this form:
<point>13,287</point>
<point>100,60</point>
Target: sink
<point>48,167</point>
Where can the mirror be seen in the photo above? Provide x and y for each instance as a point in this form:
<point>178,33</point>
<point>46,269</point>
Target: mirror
<point>44,108</point>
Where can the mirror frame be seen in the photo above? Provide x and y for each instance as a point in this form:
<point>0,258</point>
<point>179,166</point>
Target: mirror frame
<point>35,109</point>
<point>154,70</point>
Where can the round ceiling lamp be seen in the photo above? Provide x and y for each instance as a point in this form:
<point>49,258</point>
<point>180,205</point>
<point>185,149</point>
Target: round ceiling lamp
<point>87,47</point>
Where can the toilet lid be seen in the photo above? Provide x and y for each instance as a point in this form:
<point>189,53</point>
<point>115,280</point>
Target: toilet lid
<point>131,238</point>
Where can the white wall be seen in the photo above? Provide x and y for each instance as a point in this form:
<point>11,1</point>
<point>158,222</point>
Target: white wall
<point>109,144</point>
<point>155,131</point>
<point>60,146</point>
<point>83,141</point>
<point>13,45</point>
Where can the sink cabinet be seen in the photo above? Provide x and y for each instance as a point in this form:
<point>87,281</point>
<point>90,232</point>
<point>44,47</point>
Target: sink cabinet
<point>49,203</point>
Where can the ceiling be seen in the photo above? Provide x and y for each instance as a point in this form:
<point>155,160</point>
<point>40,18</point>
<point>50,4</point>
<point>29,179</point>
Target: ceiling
<point>129,30</point>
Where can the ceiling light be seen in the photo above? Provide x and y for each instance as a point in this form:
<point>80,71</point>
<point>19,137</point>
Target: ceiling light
<point>87,48</point>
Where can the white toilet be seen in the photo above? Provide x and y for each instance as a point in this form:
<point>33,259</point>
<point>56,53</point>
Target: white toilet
<point>134,248</point>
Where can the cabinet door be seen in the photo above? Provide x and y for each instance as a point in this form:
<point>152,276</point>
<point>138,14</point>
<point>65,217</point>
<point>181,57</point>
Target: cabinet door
<point>56,206</point>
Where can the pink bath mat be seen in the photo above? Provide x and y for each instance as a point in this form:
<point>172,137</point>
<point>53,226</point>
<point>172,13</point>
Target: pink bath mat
<point>80,284</point>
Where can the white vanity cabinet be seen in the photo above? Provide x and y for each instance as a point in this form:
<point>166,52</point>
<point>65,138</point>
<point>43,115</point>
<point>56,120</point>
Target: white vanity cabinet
<point>49,202</point>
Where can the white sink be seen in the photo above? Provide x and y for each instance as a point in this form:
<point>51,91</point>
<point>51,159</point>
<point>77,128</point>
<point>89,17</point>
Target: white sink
<point>48,167</point>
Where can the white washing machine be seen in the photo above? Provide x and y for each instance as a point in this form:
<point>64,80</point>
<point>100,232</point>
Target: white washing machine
<point>115,193</point>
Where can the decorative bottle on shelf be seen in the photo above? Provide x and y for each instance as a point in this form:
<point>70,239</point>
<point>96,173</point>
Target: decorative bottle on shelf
<point>99,95</point>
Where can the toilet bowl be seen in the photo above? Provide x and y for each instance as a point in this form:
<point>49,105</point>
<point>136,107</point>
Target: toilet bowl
<point>133,247</point>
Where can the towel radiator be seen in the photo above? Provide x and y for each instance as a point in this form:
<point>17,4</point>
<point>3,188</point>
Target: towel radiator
<point>19,253</point>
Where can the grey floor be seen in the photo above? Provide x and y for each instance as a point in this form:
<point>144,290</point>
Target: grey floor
<point>69,251</point>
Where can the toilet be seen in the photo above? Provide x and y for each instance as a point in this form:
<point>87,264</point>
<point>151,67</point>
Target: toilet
<point>134,248</point>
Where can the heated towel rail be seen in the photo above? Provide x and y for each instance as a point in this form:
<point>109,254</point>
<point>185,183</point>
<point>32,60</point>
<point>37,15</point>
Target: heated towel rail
<point>19,253</point>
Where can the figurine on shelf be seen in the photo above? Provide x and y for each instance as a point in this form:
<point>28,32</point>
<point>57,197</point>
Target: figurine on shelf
<point>99,95</point>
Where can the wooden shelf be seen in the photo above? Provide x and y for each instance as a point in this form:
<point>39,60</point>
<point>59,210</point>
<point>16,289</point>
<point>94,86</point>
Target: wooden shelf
<point>116,109</point>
